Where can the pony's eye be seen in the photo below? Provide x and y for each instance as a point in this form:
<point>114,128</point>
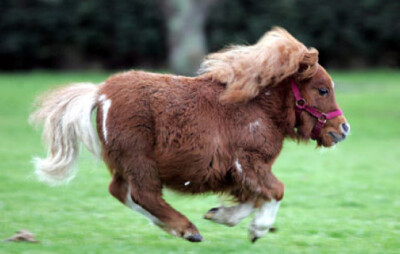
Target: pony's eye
<point>323,91</point>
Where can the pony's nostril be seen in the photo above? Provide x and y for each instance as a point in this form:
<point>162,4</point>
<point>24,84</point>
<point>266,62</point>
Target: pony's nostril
<point>345,128</point>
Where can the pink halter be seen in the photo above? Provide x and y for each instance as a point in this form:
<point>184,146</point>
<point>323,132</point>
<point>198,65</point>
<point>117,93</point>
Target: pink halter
<point>301,104</point>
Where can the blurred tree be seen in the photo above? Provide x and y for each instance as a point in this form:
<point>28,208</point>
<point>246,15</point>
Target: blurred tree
<point>186,37</point>
<point>126,33</point>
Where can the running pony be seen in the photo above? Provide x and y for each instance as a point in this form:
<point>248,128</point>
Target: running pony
<point>220,131</point>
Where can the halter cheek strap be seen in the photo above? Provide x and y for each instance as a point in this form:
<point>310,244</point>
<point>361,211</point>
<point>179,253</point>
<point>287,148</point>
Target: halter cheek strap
<point>301,105</point>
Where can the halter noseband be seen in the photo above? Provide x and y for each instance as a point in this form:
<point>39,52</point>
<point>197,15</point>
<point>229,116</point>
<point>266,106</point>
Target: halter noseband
<point>301,104</point>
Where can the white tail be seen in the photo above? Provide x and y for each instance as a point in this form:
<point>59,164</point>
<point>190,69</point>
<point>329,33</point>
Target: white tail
<point>66,115</point>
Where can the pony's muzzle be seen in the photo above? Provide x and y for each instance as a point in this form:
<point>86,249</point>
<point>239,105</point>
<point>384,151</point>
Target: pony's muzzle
<point>345,128</point>
<point>338,137</point>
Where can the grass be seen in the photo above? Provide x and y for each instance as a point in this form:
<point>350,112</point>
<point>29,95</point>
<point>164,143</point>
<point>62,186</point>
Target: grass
<point>342,200</point>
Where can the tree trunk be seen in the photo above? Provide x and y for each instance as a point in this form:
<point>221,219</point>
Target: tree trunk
<point>186,36</point>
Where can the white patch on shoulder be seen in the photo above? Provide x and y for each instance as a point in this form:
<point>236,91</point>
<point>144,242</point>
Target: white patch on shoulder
<point>187,183</point>
<point>217,139</point>
<point>254,125</point>
<point>137,208</point>
<point>238,166</point>
<point>106,106</point>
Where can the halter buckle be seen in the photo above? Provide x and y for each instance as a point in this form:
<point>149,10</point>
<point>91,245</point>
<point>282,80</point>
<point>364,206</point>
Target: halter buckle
<point>301,104</point>
<point>322,118</point>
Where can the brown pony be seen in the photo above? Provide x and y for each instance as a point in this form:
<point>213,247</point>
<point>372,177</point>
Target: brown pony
<point>218,132</point>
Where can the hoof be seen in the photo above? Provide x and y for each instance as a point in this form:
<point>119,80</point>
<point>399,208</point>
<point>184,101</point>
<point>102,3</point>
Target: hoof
<point>253,239</point>
<point>194,238</point>
<point>210,214</point>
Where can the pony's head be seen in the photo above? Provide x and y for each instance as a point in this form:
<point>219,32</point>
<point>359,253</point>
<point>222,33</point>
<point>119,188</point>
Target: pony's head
<point>278,58</point>
<point>317,114</point>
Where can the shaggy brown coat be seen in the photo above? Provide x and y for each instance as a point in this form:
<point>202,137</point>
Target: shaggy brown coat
<point>218,132</point>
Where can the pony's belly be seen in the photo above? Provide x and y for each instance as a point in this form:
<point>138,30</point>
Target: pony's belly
<point>183,179</point>
<point>197,169</point>
<point>194,179</point>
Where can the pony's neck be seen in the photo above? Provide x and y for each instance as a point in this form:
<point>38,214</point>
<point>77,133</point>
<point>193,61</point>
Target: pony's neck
<point>278,103</point>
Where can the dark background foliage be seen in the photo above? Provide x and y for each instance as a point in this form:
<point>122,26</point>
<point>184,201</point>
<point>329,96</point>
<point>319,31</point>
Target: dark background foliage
<point>347,33</point>
<point>70,34</point>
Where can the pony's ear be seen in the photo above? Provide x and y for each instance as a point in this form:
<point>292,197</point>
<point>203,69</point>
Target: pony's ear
<point>308,64</point>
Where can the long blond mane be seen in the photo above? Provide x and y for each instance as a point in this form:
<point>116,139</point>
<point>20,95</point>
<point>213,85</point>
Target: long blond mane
<point>246,70</point>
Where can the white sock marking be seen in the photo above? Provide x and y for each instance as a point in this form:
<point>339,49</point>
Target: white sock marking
<point>232,215</point>
<point>106,106</point>
<point>265,218</point>
<point>187,183</point>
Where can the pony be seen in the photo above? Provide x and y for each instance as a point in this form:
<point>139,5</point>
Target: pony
<point>219,131</point>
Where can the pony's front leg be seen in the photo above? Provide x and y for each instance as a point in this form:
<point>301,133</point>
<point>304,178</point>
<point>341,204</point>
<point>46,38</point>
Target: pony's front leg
<point>264,219</point>
<point>272,193</point>
<point>232,215</point>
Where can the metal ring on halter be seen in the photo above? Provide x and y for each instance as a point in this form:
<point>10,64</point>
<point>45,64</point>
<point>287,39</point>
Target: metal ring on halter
<point>322,118</point>
<point>301,103</point>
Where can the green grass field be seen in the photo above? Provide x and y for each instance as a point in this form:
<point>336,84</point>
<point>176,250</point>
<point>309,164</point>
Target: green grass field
<point>341,200</point>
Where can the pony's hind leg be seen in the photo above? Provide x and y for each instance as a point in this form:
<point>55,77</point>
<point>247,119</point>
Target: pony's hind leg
<point>120,189</point>
<point>149,202</point>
